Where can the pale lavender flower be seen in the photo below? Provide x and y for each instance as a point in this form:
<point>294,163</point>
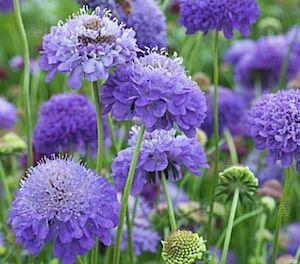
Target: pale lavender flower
<point>8,114</point>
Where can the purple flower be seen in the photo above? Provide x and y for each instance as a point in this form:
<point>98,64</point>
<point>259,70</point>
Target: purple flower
<point>293,37</point>
<point>17,63</point>
<point>103,4</point>
<point>161,152</point>
<point>63,203</point>
<point>231,258</point>
<point>67,122</point>
<point>274,125</point>
<point>87,47</point>
<point>221,15</point>
<point>6,6</point>
<point>145,238</point>
<point>239,50</point>
<point>232,111</point>
<point>274,172</point>
<point>155,89</point>
<point>148,21</point>
<point>8,114</point>
<point>262,64</point>
<point>144,16</point>
<point>293,238</point>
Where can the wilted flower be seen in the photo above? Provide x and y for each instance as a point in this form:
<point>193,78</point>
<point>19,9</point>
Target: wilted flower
<point>183,247</point>
<point>155,89</point>
<point>232,112</point>
<point>63,203</point>
<point>145,238</point>
<point>8,114</point>
<point>221,15</point>
<point>67,122</point>
<point>161,152</point>
<point>261,65</point>
<point>274,125</point>
<point>87,47</point>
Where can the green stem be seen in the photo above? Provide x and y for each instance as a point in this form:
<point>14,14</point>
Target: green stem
<point>112,134</point>
<point>259,244</point>
<point>100,155</point>
<point>108,254</point>
<point>216,132</point>
<point>26,81</point>
<point>169,203</point>
<point>231,146</point>
<point>5,185</point>
<point>230,225</point>
<point>129,224</point>
<point>95,253</point>
<point>125,197</point>
<point>283,72</point>
<point>280,212</point>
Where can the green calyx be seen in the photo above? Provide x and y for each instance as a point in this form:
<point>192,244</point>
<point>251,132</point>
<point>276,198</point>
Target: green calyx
<point>238,177</point>
<point>183,247</point>
<point>11,143</point>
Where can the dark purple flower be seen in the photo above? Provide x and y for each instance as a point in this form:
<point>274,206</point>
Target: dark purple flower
<point>87,47</point>
<point>62,202</point>
<point>274,124</point>
<point>157,90</point>
<point>292,234</point>
<point>261,65</point>
<point>149,23</point>
<point>8,114</point>
<point>144,237</point>
<point>161,152</point>
<point>232,111</point>
<point>221,15</point>
<point>67,122</point>
<point>6,6</point>
<point>239,50</point>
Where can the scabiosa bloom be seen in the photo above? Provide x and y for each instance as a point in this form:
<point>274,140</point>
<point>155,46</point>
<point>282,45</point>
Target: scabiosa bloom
<point>87,47</point>
<point>155,89</point>
<point>103,4</point>
<point>145,238</point>
<point>221,15</point>
<point>262,65</point>
<point>66,122</point>
<point>274,125</point>
<point>239,50</point>
<point>148,21</point>
<point>6,5</point>
<point>8,114</point>
<point>62,202</point>
<point>161,152</point>
<point>232,111</point>
<point>292,234</point>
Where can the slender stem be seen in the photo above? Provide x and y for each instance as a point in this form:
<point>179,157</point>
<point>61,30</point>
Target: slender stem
<point>112,134</point>
<point>281,211</point>
<point>230,225</point>
<point>239,220</point>
<point>100,155</point>
<point>108,254</point>
<point>285,64</point>
<point>169,203</point>
<point>95,253</point>
<point>259,243</point>
<point>26,81</point>
<point>231,146</point>
<point>5,185</point>
<point>216,132</point>
<point>124,202</point>
<point>129,224</point>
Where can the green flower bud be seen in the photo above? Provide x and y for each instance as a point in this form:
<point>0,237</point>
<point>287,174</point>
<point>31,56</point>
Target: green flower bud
<point>201,137</point>
<point>2,250</point>
<point>183,247</point>
<point>238,177</point>
<point>270,24</point>
<point>11,143</point>
<point>268,203</point>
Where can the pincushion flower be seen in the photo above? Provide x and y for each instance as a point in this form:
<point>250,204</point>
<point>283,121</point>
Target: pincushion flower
<point>145,238</point>
<point>63,203</point>
<point>239,50</point>
<point>221,15</point>
<point>8,114</point>
<point>144,16</point>
<point>262,65</point>
<point>87,47</point>
<point>161,152</point>
<point>155,89</point>
<point>274,125</point>
<point>232,112</point>
<point>67,122</point>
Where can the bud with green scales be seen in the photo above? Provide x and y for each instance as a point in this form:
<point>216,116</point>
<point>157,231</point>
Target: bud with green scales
<point>183,247</point>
